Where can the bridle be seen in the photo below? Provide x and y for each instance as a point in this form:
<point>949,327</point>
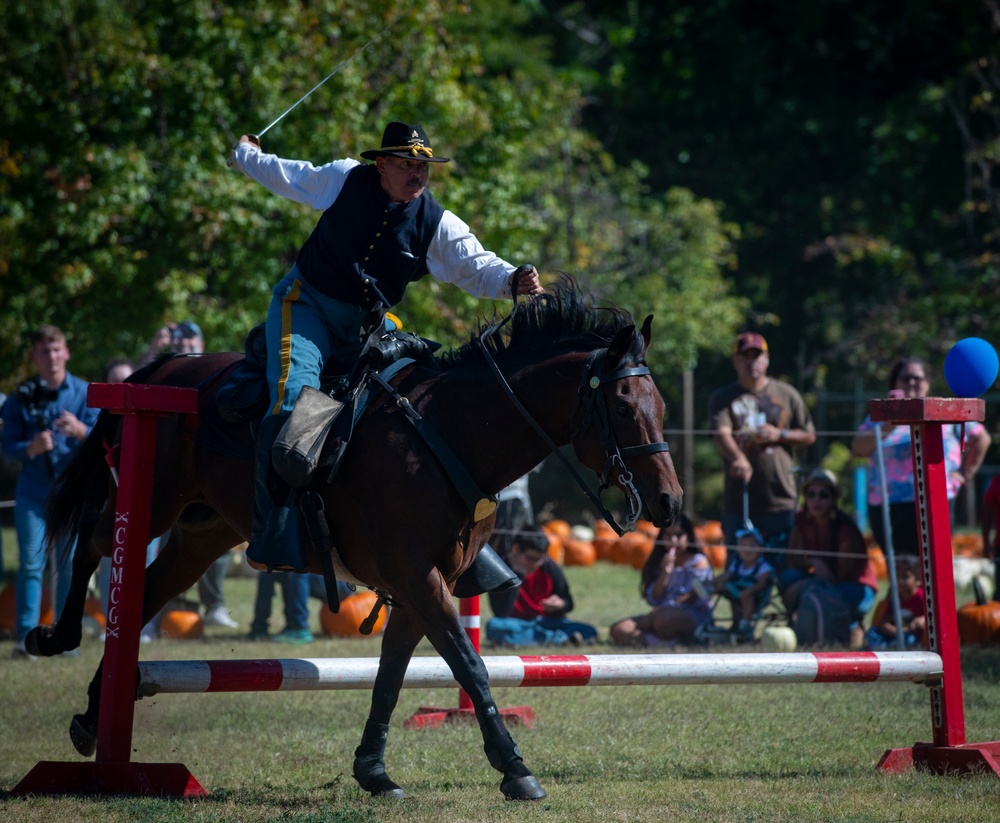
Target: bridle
<point>595,413</point>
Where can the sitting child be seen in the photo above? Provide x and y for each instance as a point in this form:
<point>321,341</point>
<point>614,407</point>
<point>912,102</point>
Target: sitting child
<point>535,613</point>
<point>912,610</point>
<point>747,580</point>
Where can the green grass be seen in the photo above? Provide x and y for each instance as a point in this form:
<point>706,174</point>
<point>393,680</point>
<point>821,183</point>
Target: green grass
<point>684,753</point>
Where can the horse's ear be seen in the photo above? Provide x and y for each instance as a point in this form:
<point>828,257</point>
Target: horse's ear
<point>620,346</point>
<point>647,332</point>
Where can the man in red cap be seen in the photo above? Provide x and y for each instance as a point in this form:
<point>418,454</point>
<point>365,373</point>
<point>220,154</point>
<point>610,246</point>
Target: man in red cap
<point>380,230</point>
<point>757,422</point>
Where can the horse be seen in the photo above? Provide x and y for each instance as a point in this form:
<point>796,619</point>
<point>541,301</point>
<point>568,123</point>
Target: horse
<point>576,374</point>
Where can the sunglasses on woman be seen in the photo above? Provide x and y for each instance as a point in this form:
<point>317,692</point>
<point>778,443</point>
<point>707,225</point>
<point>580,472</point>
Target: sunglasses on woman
<point>822,494</point>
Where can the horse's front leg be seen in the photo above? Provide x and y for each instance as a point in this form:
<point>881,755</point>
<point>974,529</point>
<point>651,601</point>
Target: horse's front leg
<point>442,627</point>
<point>398,642</point>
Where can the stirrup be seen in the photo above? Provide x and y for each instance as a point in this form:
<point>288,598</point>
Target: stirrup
<point>488,573</point>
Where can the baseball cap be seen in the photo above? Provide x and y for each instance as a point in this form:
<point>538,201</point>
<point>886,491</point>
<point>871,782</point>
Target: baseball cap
<point>186,329</point>
<point>749,340</point>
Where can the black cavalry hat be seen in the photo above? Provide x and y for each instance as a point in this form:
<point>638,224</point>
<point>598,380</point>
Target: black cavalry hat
<point>402,140</point>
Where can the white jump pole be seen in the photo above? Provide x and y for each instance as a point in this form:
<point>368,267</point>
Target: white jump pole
<point>202,676</point>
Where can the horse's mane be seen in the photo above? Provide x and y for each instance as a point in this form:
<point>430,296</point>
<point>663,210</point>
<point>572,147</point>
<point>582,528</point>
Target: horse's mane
<point>564,318</point>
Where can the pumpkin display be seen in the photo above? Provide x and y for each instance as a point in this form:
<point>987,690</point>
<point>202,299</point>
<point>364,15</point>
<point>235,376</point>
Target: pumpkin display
<point>180,624</point>
<point>877,559</point>
<point>352,613</point>
<point>604,539</point>
<point>579,552</point>
<point>8,608</point>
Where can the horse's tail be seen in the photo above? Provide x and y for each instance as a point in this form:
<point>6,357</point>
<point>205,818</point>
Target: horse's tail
<point>81,489</point>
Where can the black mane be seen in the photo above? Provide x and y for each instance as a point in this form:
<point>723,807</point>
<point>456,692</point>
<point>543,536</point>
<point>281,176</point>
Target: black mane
<point>564,318</point>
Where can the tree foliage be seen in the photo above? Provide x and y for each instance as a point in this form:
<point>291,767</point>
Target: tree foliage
<point>117,211</point>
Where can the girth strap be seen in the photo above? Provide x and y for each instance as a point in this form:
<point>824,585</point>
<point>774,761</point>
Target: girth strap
<point>480,505</point>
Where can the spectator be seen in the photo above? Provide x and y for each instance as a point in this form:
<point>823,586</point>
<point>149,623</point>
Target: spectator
<point>296,589</point>
<point>514,512</point>
<point>381,229</point>
<point>186,338</point>
<point>911,377</point>
<point>676,581</point>
<point>535,614</point>
<point>827,545</point>
<point>989,524</point>
<point>912,610</point>
<point>43,425</point>
<point>747,581</point>
<point>758,421</point>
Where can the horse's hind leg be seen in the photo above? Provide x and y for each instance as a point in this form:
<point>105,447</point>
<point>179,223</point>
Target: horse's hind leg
<point>398,642</point>
<point>48,641</point>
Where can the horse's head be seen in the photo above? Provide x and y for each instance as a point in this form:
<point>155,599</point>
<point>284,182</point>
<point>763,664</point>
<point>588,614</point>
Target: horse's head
<point>619,427</point>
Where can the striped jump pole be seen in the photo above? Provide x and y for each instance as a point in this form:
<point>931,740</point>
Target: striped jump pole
<point>948,752</point>
<point>325,674</point>
<point>433,716</point>
<point>112,773</point>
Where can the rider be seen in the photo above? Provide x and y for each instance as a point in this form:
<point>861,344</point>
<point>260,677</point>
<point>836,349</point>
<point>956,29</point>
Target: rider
<point>380,230</point>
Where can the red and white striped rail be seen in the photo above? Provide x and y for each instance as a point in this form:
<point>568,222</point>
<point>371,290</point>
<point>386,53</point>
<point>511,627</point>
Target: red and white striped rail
<point>300,674</point>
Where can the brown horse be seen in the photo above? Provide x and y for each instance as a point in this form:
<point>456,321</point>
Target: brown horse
<point>397,521</point>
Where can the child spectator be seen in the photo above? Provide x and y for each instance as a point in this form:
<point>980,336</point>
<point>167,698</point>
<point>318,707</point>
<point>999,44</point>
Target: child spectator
<point>912,610</point>
<point>535,613</point>
<point>676,581</point>
<point>747,580</point>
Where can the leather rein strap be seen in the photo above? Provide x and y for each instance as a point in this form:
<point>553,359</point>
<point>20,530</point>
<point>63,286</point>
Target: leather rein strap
<point>595,409</point>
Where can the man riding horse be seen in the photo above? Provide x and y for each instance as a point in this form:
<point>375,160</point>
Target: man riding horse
<point>380,230</point>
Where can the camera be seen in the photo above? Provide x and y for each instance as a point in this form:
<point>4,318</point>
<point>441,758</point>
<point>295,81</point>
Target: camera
<point>35,396</point>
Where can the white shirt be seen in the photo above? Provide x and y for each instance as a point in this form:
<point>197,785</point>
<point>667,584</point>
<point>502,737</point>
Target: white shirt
<point>455,254</point>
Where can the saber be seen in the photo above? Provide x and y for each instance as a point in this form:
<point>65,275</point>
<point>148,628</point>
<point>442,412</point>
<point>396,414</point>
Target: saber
<point>256,137</point>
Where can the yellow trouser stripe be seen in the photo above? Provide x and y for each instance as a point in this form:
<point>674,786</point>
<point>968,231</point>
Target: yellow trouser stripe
<point>286,343</point>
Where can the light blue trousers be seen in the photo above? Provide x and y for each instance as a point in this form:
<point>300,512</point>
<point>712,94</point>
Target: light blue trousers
<point>305,328</point>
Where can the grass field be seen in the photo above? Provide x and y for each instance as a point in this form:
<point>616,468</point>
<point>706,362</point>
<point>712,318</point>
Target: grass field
<point>682,753</point>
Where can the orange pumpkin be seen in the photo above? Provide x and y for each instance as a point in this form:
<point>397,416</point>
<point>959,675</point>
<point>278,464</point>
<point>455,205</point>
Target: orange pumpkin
<point>967,544</point>
<point>647,528</point>
<point>604,539</point>
<point>92,608</point>
<point>710,532</point>
<point>181,625</point>
<point>716,555</point>
<point>979,623</point>
<point>8,608</point>
<point>877,559</point>
<point>560,528</point>
<point>579,552</point>
<point>352,613</point>
<point>632,549</point>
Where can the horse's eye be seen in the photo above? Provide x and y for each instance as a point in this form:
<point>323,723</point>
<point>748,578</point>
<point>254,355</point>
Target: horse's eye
<point>624,409</point>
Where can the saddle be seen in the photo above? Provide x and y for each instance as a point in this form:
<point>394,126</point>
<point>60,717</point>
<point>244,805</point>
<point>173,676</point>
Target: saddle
<point>318,431</point>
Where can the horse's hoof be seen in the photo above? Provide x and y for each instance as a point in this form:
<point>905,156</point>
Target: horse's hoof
<point>522,788</point>
<point>41,642</point>
<point>379,785</point>
<point>84,739</point>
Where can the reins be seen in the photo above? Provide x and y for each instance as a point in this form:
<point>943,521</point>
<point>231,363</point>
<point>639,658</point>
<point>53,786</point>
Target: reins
<point>588,397</point>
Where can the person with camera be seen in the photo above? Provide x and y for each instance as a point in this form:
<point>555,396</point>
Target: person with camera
<point>44,422</point>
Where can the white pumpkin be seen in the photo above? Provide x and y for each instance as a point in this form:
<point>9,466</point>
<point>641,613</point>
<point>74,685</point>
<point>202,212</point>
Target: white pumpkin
<point>778,639</point>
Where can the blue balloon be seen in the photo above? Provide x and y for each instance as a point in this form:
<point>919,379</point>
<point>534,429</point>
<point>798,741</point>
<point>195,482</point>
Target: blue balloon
<point>971,367</point>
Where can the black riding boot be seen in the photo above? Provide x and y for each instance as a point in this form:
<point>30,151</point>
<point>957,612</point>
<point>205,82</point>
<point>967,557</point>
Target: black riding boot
<point>488,573</point>
<point>277,540</point>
